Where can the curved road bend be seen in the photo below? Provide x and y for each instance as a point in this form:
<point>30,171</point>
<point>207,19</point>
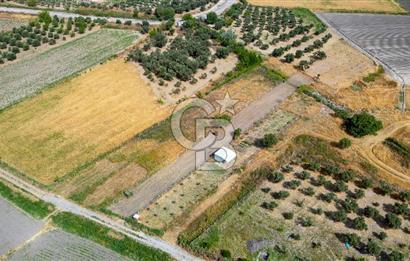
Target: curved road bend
<point>68,206</point>
<point>218,8</point>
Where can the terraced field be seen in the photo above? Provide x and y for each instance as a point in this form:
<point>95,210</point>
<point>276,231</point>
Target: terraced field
<point>41,70</point>
<point>15,227</point>
<point>59,245</point>
<point>385,37</point>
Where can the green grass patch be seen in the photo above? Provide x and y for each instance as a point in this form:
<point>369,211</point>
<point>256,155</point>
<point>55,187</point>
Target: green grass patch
<point>100,234</point>
<point>36,208</point>
<point>371,77</point>
<point>309,17</point>
<point>311,149</point>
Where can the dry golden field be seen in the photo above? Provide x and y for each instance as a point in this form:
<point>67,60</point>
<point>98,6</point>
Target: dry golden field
<point>51,134</point>
<point>335,5</point>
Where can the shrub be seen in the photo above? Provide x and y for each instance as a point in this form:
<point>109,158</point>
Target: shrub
<point>269,205</point>
<point>309,191</point>
<point>275,177</point>
<point>288,215</point>
<point>353,239</point>
<point>293,184</point>
<point>358,194</point>
<point>237,133</point>
<point>280,194</point>
<point>303,175</point>
<point>346,176</point>
<point>226,253</point>
<point>306,222</point>
<point>392,220</point>
<point>344,143</point>
<point>404,195</point>
<point>359,223</point>
<point>401,209</point>
<point>382,235</point>
<point>338,216</point>
<point>373,248</point>
<point>384,188</point>
<point>395,256</point>
<point>349,205</point>
<point>339,186</point>
<point>268,140</point>
<point>328,197</point>
<point>370,212</point>
<point>365,183</point>
<point>362,124</point>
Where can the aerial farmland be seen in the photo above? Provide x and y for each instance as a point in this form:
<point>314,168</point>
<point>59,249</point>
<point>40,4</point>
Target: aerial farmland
<point>204,130</point>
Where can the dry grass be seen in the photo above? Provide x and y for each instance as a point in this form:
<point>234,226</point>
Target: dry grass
<point>335,5</point>
<point>51,134</point>
<point>120,181</point>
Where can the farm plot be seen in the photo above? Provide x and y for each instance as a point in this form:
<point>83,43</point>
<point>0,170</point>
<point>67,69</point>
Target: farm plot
<point>179,201</point>
<point>335,5</point>
<point>59,245</point>
<point>298,213</point>
<point>293,36</point>
<point>43,69</point>
<point>8,24</point>
<point>16,227</point>
<point>49,135</point>
<point>385,37</point>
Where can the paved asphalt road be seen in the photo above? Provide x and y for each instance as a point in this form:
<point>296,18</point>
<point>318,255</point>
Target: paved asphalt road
<point>218,8</point>
<point>166,178</point>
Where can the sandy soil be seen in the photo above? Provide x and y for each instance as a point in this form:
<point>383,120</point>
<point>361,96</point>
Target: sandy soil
<point>343,65</point>
<point>79,119</point>
<point>334,5</point>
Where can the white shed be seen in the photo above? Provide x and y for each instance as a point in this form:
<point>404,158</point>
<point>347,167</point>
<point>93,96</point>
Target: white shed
<point>224,155</point>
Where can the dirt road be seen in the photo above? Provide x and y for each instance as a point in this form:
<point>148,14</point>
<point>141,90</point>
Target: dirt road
<point>366,145</point>
<point>166,178</point>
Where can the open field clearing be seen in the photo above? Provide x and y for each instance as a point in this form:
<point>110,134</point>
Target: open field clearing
<point>173,207</point>
<point>385,37</point>
<point>15,227</point>
<point>336,5</point>
<point>259,223</point>
<point>161,182</point>
<point>59,245</point>
<point>49,135</point>
<point>56,64</point>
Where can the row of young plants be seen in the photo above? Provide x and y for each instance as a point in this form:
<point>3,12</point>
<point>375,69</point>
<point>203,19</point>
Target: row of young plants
<point>44,30</point>
<point>391,220</point>
<point>184,55</point>
<point>160,9</point>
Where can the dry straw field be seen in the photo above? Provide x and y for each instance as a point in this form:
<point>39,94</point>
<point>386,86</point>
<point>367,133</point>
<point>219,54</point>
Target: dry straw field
<point>335,5</point>
<point>51,134</point>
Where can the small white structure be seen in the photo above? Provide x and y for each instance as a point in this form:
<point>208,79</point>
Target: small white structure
<point>136,217</point>
<point>224,155</point>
